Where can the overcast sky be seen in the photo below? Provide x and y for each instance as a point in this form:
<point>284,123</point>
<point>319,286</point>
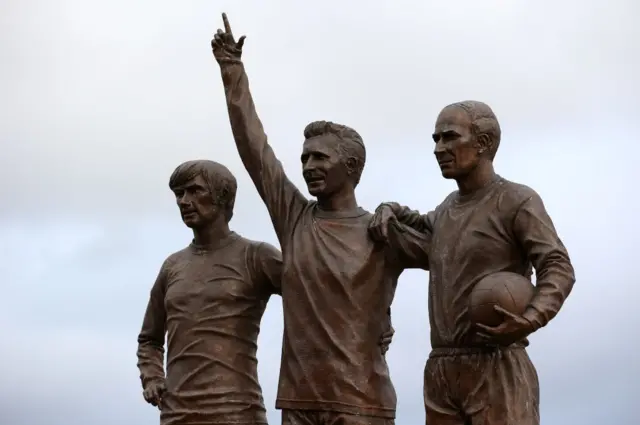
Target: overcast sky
<point>100,100</point>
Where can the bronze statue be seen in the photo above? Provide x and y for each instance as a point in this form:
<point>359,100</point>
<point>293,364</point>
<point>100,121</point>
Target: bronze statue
<point>478,374</point>
<point>337,284</point>
<point>209,298</point>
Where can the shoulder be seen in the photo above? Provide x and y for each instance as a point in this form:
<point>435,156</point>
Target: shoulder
<point>265,251</point>
<point>176,258</point>
<point>512,195</point>
<point>366,215</point>
<point>444,205</point>
<point>265,266</point>
<point>260,251</point>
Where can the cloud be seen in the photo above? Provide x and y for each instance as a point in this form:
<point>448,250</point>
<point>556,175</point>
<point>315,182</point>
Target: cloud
<point>102,100</point>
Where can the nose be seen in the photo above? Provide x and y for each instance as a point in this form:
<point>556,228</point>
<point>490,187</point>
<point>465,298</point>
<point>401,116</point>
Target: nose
<point>439,149</point>
<point>308,166</point>
<point>183,201</point>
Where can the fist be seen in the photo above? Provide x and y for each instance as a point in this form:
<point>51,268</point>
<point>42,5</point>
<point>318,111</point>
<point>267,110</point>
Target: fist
<point>153,392</point>
<point>224,46</point>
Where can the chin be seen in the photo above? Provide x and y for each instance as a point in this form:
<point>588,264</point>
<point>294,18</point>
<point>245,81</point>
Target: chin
<point>191,224</point>
<point>315,191</point>
<point>449,174</point>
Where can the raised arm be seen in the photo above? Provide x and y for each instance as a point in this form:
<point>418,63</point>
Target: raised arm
<point>555,276</point>
<point>152,336</point>
<point>283,200</point>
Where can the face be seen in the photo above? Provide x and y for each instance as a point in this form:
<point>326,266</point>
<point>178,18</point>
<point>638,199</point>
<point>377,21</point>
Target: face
<point>323,168</point>
<point>197,206</point>
<point>456,146</point>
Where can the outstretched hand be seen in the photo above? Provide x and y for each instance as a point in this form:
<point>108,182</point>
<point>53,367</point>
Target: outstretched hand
<point>514,328</point>
<point>224,46</point>
<point>379,224</point>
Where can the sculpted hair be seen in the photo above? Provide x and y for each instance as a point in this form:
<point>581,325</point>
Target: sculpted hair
<point>220,181</point>
<point>351,145</point>
<point>483,121</point>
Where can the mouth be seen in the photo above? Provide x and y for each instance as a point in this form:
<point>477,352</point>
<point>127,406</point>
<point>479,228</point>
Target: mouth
<point>445,163</point>
<point>314,180</point>
<point>186,214</point>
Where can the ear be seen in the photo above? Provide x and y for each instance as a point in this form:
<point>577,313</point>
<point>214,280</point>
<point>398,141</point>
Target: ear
<point>221,196</point>
<point>352,165</point>
<point>484,143</point>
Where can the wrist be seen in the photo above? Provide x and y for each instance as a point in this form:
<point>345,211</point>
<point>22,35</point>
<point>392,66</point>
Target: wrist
<point>152,380</point>
<point>229,61</point>
<point>531,316</point>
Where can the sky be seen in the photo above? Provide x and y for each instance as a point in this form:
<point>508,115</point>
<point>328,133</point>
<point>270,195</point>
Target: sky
<point>99,101</point>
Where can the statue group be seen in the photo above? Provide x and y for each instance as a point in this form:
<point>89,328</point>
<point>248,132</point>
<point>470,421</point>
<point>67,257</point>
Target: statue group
<point>337,275</point>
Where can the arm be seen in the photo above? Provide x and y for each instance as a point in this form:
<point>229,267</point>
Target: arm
<point>151,337</point>
<point>554,273</point>
<point>387,335</point>
<point>409,247</point>
<point>406,233</point>
<point>411,218</point>
<point>282,198</point>
<point>268,268</point>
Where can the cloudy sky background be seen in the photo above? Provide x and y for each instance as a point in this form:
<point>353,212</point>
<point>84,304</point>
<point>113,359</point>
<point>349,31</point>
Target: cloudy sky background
<point>99,101</point>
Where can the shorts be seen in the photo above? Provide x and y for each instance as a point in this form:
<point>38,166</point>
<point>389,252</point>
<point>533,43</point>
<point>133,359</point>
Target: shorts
<point>496,386</point>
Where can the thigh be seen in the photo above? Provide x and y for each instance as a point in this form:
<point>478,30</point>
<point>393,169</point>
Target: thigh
<point>508,393</point>
<point>438,405</point>
<point>300,417</point>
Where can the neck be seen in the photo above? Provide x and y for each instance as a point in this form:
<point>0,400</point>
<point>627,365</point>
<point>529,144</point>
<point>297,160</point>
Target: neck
<point>480,177</point>
<point>212,233</point>
<point>343,200</point>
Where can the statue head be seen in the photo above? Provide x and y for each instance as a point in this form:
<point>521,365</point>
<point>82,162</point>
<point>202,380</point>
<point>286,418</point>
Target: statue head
<point>333,157</point>
<point>466,134</point>
<point>205,192</point>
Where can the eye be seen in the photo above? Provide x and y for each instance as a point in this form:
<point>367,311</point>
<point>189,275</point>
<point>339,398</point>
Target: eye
<point>304,158</point>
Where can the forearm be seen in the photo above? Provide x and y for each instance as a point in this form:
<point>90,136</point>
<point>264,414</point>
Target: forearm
<point>409,246</point>
<point>554,281</point>
<point>152,334</point>
<point>247,129</point>
<point>150,361</point>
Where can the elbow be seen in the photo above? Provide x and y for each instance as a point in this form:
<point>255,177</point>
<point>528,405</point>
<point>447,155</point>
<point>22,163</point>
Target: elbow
<point>557,267</point>
<point>568,275</point>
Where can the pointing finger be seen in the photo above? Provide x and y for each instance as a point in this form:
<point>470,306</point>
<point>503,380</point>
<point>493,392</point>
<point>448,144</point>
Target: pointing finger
<point>227,27</point>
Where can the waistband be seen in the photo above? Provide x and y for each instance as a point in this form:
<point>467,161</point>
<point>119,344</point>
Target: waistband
<point>467,351</point>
